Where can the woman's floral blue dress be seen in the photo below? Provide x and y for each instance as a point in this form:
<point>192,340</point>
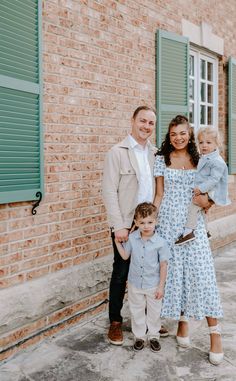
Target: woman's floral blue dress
<point>191,283</point>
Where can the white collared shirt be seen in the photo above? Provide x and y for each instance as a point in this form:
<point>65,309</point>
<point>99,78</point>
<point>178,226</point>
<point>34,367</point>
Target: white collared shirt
<point>145,192</point>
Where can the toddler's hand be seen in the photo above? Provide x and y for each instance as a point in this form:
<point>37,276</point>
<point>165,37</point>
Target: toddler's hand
<point>196,192</point>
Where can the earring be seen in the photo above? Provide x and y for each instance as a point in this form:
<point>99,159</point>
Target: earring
<point>189,141</point>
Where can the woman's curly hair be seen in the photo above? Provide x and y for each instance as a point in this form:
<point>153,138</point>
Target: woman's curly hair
<point>166,147</point>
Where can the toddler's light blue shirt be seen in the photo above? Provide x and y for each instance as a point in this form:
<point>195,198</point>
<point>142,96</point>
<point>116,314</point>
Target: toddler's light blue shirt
<point>144,271</point>
<point>212,177</point>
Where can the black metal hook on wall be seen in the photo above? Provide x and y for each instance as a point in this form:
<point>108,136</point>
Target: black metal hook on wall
<point>38,194</point>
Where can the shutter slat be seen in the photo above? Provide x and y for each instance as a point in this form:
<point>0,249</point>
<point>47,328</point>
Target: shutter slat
<point>20,186</point>
<point>18,21</point>
<point>27,61</point>
<point>8,155</point>
<point>23,148</point>
<point>19,39</point>
<point>18,99</point>
<point>19,139</point>
<point>23,160</point>
<point>10,45</point>
<point>172,79</point>
<point>15,115</point>
<point>25,166</point>
<point>28,4</point>
<point>26,173</point>
<point>15,7</point>
<point>24,65</point>
<point>18,105</point>
<point>9,176</point>
<point>28,41</point>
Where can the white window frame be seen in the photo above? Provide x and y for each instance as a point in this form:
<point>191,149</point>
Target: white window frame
<point>197,56</point>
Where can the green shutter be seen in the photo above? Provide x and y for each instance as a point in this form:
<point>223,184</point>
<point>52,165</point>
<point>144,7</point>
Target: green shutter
<point>232,116</point>
<point>21,156</point>
<point>172,75</point>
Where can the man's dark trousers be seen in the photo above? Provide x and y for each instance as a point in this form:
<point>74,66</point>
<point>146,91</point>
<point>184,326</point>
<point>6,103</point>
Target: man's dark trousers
<point>117,284</point>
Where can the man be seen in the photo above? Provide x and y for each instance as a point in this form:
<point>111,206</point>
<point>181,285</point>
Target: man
<point>127,181</point>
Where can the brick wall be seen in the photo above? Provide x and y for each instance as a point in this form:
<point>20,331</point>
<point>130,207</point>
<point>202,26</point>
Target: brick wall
<point>99,65</point>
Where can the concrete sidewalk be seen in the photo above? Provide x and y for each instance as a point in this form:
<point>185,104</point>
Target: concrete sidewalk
<point>82,353</point>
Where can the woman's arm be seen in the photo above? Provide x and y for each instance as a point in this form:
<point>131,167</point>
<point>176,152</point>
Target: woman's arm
<point>159,191</point>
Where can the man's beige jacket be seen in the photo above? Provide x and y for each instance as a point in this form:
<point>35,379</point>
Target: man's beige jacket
<point>120,183</point>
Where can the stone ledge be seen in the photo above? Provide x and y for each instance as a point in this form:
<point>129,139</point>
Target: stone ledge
<point>31,301</point>
<point>223,231</point>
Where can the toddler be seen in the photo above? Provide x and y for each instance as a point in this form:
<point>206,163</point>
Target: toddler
<point>211,178</point>
<point>147,274</point>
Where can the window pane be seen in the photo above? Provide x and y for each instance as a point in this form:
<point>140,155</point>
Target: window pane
<point>191,113</point>
<point>203,69</point>
<point>210,116</point>
<point>209,93</point>
<point>191,88</point>
<point>209,71</point>
<point>202,116</point>
<point>203,88</point>
<point>191,66</point>
<point>203,92</point>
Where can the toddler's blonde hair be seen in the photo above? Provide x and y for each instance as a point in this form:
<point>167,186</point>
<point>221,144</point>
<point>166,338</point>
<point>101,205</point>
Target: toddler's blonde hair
<point>209,130</point>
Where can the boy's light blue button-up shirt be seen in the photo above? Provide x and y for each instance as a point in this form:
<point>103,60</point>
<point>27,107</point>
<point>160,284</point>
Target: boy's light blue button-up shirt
<point>144,270</point>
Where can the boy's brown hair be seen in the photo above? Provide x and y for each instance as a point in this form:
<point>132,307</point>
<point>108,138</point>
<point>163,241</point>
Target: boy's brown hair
<point>144,210</point>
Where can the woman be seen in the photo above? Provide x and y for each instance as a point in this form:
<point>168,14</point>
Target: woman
<point>191,289</point>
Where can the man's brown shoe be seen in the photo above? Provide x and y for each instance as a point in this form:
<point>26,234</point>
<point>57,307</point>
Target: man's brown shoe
<point>115,334</point>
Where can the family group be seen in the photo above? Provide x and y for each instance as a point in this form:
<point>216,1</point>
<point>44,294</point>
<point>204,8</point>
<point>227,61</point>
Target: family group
<point>156,202</point>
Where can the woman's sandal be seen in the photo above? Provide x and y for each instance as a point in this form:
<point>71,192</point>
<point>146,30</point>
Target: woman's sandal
<point>183,341</point>
<point>215,358</point>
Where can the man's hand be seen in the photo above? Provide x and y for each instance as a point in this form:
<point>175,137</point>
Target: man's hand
<point>122,235</point>
<point>202,201</point>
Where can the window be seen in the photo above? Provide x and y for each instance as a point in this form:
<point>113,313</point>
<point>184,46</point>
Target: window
<point>203,89</point>
<point>187,83</point>
<point>21,165</point>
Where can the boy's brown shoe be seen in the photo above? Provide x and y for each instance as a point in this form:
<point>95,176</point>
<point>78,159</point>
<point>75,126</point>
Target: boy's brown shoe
<point>115,334</point>
<point>138,345</point>
<point>155,345</point>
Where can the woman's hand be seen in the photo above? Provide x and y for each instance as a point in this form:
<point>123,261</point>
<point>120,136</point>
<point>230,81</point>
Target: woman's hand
<point>202,201</point>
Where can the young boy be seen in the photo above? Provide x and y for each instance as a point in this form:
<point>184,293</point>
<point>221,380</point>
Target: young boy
<point>147,274</point>
<point>211,178</point>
